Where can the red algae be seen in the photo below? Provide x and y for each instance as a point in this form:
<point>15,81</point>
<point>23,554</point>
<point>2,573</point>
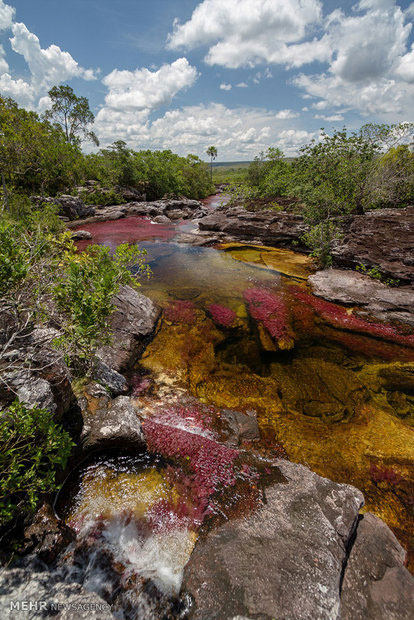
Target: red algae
<point>384,474</point>
<point>210,465</point>
<point>270,310</point>
<point>338,316</point>
<point>222,315</point>
<point>125,230</point>
<point>180,311</point>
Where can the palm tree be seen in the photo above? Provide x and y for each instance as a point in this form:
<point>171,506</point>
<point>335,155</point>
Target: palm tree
<point>212,153</point>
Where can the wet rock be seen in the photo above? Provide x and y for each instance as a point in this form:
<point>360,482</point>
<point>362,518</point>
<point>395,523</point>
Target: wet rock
<point>177,214</point>
<point>240,426</point>
<point>376,584</point>
<point>47,536</point>
<point>284,560</point>
<point>134,320</point>
<point>45,590</point>
<point>80,235</point>
<point>112,423</point>
<point>161,219</point>
<point>373,297</point>
<point>382,238</point>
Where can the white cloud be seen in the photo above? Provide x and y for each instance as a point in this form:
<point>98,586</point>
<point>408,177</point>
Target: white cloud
<point>239,132</point>
<point>143,89</point>
<point>6,15</point>
<point>286,114</point>
<point>250,32</point>
<point>405,68</point>
<point>47,67</point>
<point>225,86</point>
<point>242,85</point>
<point>333,118</point>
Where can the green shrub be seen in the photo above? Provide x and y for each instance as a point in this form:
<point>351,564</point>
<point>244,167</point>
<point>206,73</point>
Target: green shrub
<point>32,448</point>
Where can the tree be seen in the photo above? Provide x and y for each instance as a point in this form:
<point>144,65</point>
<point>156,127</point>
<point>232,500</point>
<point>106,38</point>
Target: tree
<point>212,153</point>
<point>72,113</point>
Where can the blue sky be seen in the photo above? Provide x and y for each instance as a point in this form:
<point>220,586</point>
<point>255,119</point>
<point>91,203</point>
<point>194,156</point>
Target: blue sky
<point>240,74</point>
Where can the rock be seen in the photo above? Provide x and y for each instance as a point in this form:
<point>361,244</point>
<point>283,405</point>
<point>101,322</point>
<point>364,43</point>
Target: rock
<point>282,561</point>
<point>177,214</point>
<point>240,426</point>
<point>80,235</point>
<point>47,536</point>
<point>109,378</point>
<point>373,297</point>
<point>280,229</point>
<point>161,219</point>
<point>44,590</point>
<point>376,584</point>
<point>71,207</point>
<point>40,377</point>
<point>382,238</point>
<point>132,322</point>
<point>112,423</point>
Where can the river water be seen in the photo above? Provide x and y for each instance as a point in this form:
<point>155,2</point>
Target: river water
<point>241,331</point>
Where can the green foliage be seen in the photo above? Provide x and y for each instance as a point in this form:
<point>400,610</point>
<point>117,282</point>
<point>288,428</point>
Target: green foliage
<point>72,114</point>
<point>83,292</point>
<point>32,448</point>
<point>157,173</point>
<point>34,155</point>
<point>101,198</point>
<point>376,274</point>
<point>319,239</point>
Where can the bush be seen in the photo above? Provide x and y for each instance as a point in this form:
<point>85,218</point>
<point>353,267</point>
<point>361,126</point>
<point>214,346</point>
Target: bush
<point>32,449</point>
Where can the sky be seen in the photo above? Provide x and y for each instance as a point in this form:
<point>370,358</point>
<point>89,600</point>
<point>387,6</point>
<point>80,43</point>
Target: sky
<point>241,75</point>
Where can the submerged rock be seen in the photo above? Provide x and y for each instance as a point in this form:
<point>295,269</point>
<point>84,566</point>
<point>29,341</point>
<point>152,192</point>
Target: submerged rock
<point>283,561</point>
<point>373,297</point>
<point>80,235</point>
<point>376,584</point>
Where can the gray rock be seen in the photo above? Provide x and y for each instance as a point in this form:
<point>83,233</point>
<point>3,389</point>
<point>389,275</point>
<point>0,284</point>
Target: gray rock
<point>110,378</point>
<point>134,319</point>
<point>161,219</point>
<point>177,214</point>
<point>80,235</point>
<point>113,423</point>
<point>70,207</point>
<point>376,584</point>
<point>373,297</point>
<point>283,561</point>
<point>45,590</point>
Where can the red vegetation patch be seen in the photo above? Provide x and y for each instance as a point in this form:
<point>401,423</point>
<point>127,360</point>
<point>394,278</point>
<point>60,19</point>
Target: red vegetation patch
<point>211,466</point>
<point>385,474</point>
<point>125,230</point>
<point>222,315</point>
<point>180,311</point>
<point>270,310</point>
<point>338,317</point>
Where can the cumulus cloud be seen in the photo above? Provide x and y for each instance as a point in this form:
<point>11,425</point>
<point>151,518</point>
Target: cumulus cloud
<point>242,85</point>
<point>47,67</point>
<point>7,14</point>
<point>225,86</point>
<point>249,32</point>
<point>240,132</point>
<point>286,114</point>
<point>143,89</point>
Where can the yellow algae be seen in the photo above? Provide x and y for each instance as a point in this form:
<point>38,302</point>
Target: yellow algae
<point>108,493</point>
<point>286,262</point>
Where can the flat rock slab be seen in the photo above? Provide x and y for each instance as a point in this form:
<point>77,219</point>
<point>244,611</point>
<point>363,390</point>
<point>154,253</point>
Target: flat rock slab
<point>283,561</point>
<point>373,297</point>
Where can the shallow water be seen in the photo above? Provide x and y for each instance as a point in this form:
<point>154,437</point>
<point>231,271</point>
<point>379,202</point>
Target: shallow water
<point>241,331</point>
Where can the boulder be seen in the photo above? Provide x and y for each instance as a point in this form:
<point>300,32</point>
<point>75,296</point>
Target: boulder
<point>284,560</point>
<point>239,426</point>
<point>70,207</point>
<point>47,536</point>
<point>382,238</point>
<point>371,296</point>
<point>133,321</point>
<point>109,378</point>
<point>111,423</point>
<point>376,585</point>
<point>80,235</point>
